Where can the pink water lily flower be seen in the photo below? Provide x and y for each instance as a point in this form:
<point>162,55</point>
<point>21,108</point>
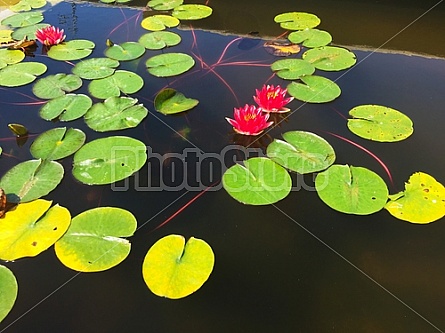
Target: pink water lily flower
<point>249,120</point>
<point>50,35</point>
<point>272,99</point>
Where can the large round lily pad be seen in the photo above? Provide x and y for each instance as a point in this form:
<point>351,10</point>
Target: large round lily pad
<point>66,108</point>
<point>26,5</point>
<point>8,291</point>
<point>71,50</point>
<point>169,64</point>
<point>125,51</point>
<point>159,22</point>
<point>310,37</point>
<point>53,86</point>
<point>169,101</point>
<point>316,89</point>
<point>125,81</point>
<point>192,12</point>
<point>297,20</point>
<point>95,68</point>
<point>292,69</point>
<point>8,57</point>
<point>330,58</point>
<point>20,74</point>
<point>351,190</point>
<point>23,19</point>
<point>158,40</point>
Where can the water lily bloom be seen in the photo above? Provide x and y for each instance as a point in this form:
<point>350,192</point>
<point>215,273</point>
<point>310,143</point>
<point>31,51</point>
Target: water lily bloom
<point>272,99</point>
<point>249,120</point>
<point>50,35</point>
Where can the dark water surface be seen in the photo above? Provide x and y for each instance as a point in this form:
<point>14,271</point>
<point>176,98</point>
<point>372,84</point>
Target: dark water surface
<point>297,266</point>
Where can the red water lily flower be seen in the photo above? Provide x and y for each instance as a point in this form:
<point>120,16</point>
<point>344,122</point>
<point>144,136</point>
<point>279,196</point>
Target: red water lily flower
<point>249,120</point>
<point>50,35</point>
<point>272,99</point>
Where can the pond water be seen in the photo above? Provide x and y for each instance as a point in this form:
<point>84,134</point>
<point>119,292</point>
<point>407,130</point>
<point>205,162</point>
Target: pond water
<point>295,266</point>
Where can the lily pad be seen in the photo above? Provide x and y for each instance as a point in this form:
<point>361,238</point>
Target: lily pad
<point>159,22</point>
<point>316,89</point>
<point>57,143</point>
<point>192,12</point>
<point>8,57</point>
<point>169,101</point>
<point>125,51</point>
<point>93,241</point>
<point>379,123</point>
<point>20,74</point>
<point>23,19</point>
<point>351,190</point>
<point>115,1</point>
<point>164,4</point>
<point>18,129</point>
<point>158,40</point>
<point>292,69</point>
<point>28,31</point>
<point>26,5</point>
<point>71,50</point>
<point>8,291</point>
<point>31,228</point>
<point>67,107</point>
<point>31,180</point>
<point>175,269</point>
<point>169,64</point>
<point>302,152</point>
<point>297,20</point>
<point>311,37</point>
<point>115,113</point>
<point>6,36</point>
<point>260,181</point>
<point>53,86</point>
<point>330,58</point>
<point>107,160</point>
<point>423,200</point>
<point>125,81</point>
<point>95,68</point>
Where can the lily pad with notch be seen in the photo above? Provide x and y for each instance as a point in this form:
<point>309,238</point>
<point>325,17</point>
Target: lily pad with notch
<point>66,108</point>
<point>314,89</point>
<point>158,40</point>
<point>56,85</point>
<point>310,37</point>
<point>72,50</point>
<point>125,81</point>
<point>192,12</point>
<point>21,73</point>
<point>125,52</point>
<point>159,22</point>
<point>169,64</point>
<point>9,57</point>
<point>170,101</point>
<point>21,20</point>
<point>164,4</point>
<point>297,20</point>
<point>27,5</point>
<point>330,58</point>
<point>95,68</point>
<point>292,69</point>
<point>28,32</point>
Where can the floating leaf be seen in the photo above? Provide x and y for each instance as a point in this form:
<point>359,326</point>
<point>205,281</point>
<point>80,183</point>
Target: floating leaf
<point>125,51</point>
<point>23,19</point>
<point>317,89</point>
<point>93,241</point>
<point>107,160</point>
<point>71,50</point>
<point>192,12</point>
<point>114,114</point>
<point>297,20</point>
<point>26,5</point>
<point>31,228</point>
<point>281,49</point>
<point>423,200</point>
<point>379,123</point>
<point>31,180</point>
<point>259,182</point>
<point>20,74</point>
<point>310,37</point>
<point>159,22</point>
<point>8,57</point>
<point>8,291</point>
<point>53,86</point>
<point>28,31</point>
<point>159,39</point>
<point>169,101</point>
<point>67,107</point>
<point>164,4</point>
<point>351,190</point>
<point>125,81</point>
<point>303,152</point>
<point>330,58</point>
<point>115,1</point>
<point>6,36</point>
<point>292,69</point>
<point>18,129</point>
<point>175,269</point>
<point>57,143</point>
<point>95,68</point>
<point>169,64</point>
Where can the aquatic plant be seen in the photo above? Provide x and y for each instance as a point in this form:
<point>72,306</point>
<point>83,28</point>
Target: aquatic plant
<point>272,99</point>
<point>249,120</point>
<point>50,35</point>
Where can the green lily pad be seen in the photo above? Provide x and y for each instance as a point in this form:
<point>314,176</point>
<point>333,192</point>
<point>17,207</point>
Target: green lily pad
<point>71,50</point>
<point>125,51</point>
<point>330,58</point>
<point>67,107</point>
<point>297,20</point>
<point>125,81</point>
<point>303,152</point>
<point>53,86</point>
<point>20,74</point>
<point>29,31</point>
<point>57,143</point>
<point>115,1</point>
<point>192,12</point>
<point>23,19</point>
<point>158,40</point>
<point>310,37</point>
<point>169,64</point>
<point>175,269</point>
<point>351,190</point>
<point>169,101</point>
<point>8,290</point>
<point>164,4</point>
<point>316,89</point>
<point>8,57</point>
<point>423,200</point>
<point>93,241</point>
<point>31,180</point>
<point>379,123</point>
<point>107,160</point>
<point>115,113</point>
<point>95,68</point>
<point>32,228</point>
<point>292,69</point>
<point>159,22</point>
<point>26,5</point>
<point>260,181</point>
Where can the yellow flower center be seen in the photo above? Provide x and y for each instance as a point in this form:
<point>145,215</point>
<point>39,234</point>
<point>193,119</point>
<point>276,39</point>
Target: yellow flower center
<point>249,116</point>
<point>272,94</point>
